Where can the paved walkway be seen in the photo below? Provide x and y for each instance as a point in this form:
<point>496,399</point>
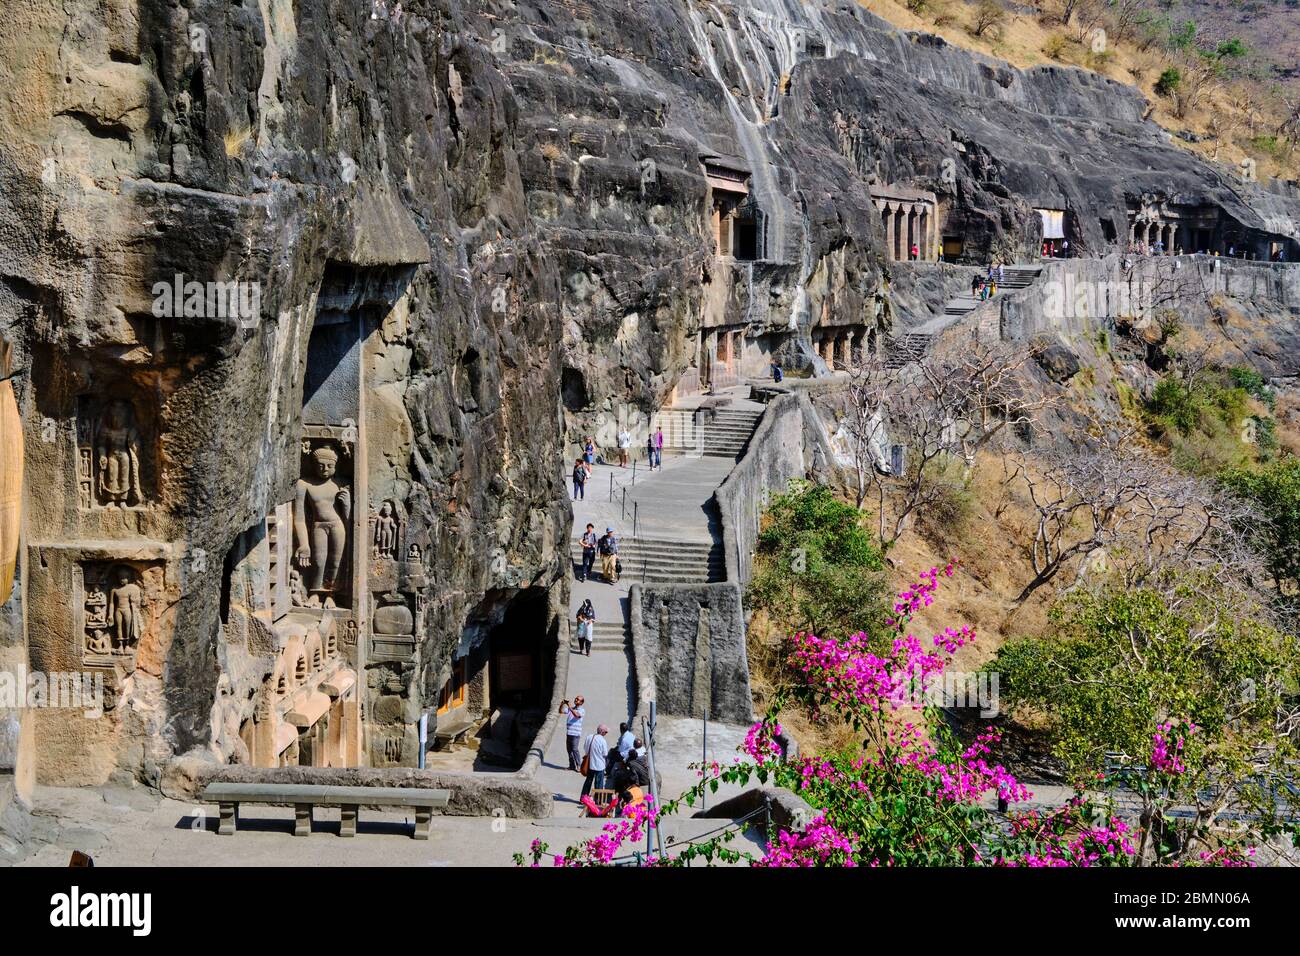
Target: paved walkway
<point>135,827</point>
<point>674,504</point>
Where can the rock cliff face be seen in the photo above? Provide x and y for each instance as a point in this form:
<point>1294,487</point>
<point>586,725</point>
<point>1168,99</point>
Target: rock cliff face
<point>311,296</point>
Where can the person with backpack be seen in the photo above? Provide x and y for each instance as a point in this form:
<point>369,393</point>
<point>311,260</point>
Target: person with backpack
<point>579,479</point>
<point>588,541</point>
<point>607,547</point>
<point>586,624</point>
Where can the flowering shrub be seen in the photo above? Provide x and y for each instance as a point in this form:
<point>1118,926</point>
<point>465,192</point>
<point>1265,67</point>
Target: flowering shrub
<point>911,795</point>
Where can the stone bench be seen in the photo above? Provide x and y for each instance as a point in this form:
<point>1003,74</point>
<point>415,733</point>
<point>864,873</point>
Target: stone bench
<point>305,797</point>
<point>453,731</point>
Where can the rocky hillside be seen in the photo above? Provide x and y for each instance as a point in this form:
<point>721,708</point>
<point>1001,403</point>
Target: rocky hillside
<point>508,202</point>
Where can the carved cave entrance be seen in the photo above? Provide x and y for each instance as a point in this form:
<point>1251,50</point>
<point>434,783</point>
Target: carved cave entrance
<point>503,671</point>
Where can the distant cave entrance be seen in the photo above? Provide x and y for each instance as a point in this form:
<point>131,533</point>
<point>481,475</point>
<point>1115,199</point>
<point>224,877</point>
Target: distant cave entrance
<point>1108,230</point>
<point>745,238</point>
<point>573,389</point>
<point>504,671</point>
<point>521,663</point>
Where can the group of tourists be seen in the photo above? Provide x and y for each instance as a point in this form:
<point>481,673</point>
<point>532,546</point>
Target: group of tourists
<point>1158,248</point>
<point>623,768</point>
<point>606,547</point>
<point>1054,250</point>
<point>585,463</point>
<point>984,287</point>
<point>654,448</point>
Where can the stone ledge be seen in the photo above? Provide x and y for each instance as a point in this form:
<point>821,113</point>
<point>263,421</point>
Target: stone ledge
<point>789,810</point>
<point>472,795</point>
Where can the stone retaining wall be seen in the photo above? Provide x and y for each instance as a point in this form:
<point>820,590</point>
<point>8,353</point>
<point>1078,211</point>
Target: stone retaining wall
<point>688,640</point>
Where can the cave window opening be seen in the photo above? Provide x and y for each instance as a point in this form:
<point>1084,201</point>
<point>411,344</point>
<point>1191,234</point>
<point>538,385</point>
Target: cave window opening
<point>734,214</point>
<point>745,238</point>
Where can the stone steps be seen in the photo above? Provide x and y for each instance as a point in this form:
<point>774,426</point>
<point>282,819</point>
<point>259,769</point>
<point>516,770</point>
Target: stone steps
<point>729,432</point>
<point>657,561</point>
<point>1014,278</point>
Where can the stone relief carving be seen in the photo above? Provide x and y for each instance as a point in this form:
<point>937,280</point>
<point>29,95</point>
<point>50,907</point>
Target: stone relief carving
<point>321,511</point>
<point>108,456</point>
<point>114,608</point>
<point>387,529</point>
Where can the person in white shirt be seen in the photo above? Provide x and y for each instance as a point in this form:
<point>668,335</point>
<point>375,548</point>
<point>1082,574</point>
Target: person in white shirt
<point>624,443</point>
<point>597,756</point>
<point>573,730</point>
<point>625,740</point>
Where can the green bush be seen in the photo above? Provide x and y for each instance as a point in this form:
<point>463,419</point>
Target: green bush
<point>1275,490</point>
<point>1207,423</point>
<point>1169,82</point>
<point>1121,660</point>
<point>816,568</point>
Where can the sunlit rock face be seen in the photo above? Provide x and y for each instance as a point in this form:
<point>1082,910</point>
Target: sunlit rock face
<point>312,296</point>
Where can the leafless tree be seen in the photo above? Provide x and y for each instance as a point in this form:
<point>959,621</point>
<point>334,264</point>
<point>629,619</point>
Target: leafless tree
<point>943,409</point>
<point>1142,515</point>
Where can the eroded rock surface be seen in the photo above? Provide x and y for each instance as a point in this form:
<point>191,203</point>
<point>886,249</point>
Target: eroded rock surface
<point>283,517</point>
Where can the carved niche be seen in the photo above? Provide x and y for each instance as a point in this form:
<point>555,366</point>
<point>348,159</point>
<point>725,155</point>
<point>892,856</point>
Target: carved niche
<point>111,466</point>
<point>387,530</point>
<point>115,611</point>
<point>322,516</point>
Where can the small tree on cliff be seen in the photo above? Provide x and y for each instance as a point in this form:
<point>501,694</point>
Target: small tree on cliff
<point>989,16</point>
<point>941,410</point>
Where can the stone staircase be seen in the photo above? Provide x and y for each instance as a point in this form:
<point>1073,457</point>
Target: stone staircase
<point>659,561</point>
<point>611,636</point>
<point>913,346</point>
<point>729,432</point>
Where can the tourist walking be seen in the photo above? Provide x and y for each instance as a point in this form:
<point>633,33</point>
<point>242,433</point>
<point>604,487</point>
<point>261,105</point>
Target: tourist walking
<point>588,541</point>
<point>624,443</point>
<point>650,451</point>
<point>573,729</point>
<point>607,548</point>
<point>579,479</point>
<point>589,452</point>
<point>659,444</point>
<point>916,252</point>
<point>586,624</point>
<point>597,753</point>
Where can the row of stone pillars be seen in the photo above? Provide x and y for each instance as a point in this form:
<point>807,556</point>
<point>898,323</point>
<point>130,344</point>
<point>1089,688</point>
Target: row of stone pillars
<point>844,348</point>
<point>908,224</point>
<point>1172,234</point>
